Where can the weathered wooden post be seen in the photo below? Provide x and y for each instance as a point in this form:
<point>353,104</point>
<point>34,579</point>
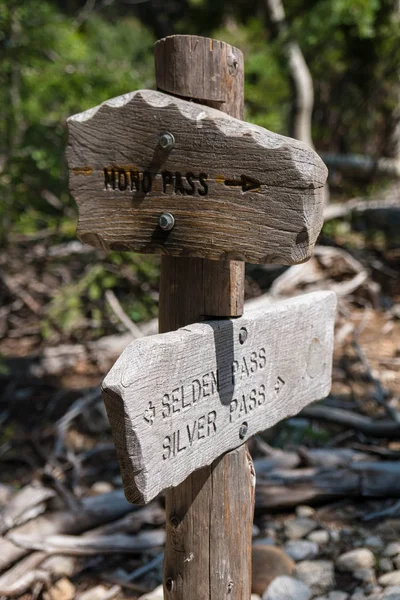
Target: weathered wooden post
<point>166,172</point>
<point>210,515</point>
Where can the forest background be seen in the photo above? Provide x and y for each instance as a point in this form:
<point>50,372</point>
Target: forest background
<point>62,57</point>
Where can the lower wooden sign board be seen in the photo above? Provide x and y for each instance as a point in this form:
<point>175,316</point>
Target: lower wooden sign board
<point>235,190</point>
<point>179,400</point>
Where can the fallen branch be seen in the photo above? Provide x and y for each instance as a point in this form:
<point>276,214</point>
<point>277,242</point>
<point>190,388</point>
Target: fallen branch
<point>388,207</point>
<point>379,429</point>
<point>94,511</point>
<point>99,592</point>
<point>151,514</point>
<point>90,545</point>
<point>389,512</point>
<point>287,488</point>
<point>280,460</point>
<point>58,360</point>
<point>362,166</point>
<point>75,410</point>
<point>27,504</point>
<point>311,274</point>
<point>119,312</point>
<point>24,575</point>
<point>380,395</point>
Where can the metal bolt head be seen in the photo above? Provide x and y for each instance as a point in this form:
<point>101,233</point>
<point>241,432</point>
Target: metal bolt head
<point>243,430</point>
<point>166,221</point>
<point>166,140</point>
<point>174,521</point>
<point>242,335</point>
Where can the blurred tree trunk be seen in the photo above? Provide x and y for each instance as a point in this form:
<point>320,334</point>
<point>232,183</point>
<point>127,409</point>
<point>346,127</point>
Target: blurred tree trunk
<point>302,84</point>
<point>13,119</point>
<point>393,149</point>
<point>301,80</point>
<point>387,163</point>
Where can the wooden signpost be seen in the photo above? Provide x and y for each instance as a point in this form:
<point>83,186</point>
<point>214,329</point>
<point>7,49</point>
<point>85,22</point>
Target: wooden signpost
<point>178,173</point>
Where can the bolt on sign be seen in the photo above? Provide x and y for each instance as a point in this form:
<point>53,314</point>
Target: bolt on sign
<point>179,400</point>
<point>234,190</point>
<point>156,174</point>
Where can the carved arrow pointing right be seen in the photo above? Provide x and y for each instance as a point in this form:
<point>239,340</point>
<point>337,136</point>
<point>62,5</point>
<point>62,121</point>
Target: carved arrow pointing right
<point>247,183</point>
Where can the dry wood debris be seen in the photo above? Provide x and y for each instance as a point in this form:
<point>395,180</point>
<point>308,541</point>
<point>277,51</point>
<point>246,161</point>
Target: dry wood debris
<point>66,529</point>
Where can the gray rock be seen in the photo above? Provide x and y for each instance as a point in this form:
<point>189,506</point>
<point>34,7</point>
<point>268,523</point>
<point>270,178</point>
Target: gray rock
<point>393,589</point>
<point>391,593</point>
<point>346,532</point>
<point>335,535</point>
<point>94,593</point>
<point>385,565</point>
<point>301,549</point>
<point>365,575</point>
<point>305,511</point>
<point>255,597</point>
<point>338,595</point>
<point>317,574</point>
<point>6,493</point>
<point>287,588</point>
<point>270,533</point>
<point>265,541</point>
<point>396,561</point>
<point>360,558</point>
<point>373,588</point>
<point>319,536</point>
<point>101,487</point>
<point>358,595</point>
<point>374,541</point>
<point>392,578</point>
<point>392,549</point>
<point>256,531</point>
<point>300,527</point>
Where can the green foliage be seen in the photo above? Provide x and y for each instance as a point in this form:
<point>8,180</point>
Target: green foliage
<point>50,70</point>
<point>55,63</point>
<point>267,92</point>
<point>353,52</point>
<point>79,305</point>
<point>4,369</point>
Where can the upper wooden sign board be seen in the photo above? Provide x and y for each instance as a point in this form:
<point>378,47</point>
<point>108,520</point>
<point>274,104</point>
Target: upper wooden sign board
<point>235,190</point>
<point>179,400</point>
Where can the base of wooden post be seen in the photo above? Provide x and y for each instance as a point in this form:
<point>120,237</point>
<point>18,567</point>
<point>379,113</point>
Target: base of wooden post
<point>209,531</point>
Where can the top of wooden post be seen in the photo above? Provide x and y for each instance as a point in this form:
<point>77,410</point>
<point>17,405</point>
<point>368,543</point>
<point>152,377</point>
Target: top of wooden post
<point>218,83</point>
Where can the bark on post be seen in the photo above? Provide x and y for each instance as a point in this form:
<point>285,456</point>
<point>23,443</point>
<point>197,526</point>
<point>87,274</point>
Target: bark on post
<point>210,515</point>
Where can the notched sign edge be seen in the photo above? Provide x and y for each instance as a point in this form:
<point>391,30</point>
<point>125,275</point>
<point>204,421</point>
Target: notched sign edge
<point>308,171</point>
<point>138,483</point>
<point>199,113</point>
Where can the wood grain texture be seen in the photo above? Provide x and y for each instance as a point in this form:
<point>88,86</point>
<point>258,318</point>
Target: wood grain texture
<point>209,528</point>
<point>194,289</point>
<point>184,64</point>
<point>178,401</point>
<point>262,192</point>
